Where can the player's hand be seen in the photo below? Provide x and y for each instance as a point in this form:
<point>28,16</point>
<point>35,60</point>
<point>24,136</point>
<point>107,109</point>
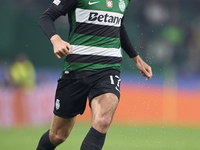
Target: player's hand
<point>61,48</point>
<point>144,68</point>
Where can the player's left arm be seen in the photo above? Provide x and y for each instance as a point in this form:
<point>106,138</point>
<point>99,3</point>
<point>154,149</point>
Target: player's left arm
<point>144,68</point>
<point>126,44</point>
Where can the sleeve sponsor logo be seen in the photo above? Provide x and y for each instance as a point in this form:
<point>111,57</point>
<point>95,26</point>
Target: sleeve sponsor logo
<point>56,2</point>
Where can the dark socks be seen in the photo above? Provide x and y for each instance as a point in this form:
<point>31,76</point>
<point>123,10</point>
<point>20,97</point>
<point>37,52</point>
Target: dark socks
<point>45,143</point>
<point>94,140</point>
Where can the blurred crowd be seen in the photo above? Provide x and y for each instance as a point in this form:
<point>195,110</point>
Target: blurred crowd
<point>21,73</point>
<point>173,33</point>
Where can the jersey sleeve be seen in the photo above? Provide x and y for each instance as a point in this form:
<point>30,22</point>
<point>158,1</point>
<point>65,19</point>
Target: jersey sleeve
<point>126,43</point>
<point>55,10</point>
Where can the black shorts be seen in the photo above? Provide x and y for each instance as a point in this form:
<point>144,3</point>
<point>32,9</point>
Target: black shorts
<point>71,94</point>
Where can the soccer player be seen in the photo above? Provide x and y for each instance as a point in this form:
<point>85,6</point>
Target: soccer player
<point>92,67</point>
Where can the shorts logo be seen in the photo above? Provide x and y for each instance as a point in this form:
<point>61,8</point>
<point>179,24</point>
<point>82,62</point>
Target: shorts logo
<point>57,2</point>
<point>109,4</point>
<point>122,5</point>
<point>57,104</point>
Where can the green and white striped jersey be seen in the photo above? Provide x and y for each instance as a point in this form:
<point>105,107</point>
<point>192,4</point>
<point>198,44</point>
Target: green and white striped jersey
<point>95,35</point>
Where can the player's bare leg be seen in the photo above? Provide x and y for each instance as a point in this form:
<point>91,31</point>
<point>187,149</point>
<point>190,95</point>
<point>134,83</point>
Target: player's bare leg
<point>103,108</point>
<point>60,129</point>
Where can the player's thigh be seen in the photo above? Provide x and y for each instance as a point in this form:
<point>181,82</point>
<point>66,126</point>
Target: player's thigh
<point>104,106</point>
<point>62,126</point>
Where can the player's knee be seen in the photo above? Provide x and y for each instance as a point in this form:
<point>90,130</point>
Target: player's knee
<point>103,122</point>
<point>106,121</point>
<point>59,138</point>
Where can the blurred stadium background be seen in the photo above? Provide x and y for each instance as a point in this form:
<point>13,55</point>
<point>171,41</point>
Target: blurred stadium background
<point>162,113</point>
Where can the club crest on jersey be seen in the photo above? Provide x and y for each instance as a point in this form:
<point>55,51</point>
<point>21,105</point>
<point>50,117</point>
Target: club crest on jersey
<point>122,5</point>
<point>56,2</point>
<point>109,4</point>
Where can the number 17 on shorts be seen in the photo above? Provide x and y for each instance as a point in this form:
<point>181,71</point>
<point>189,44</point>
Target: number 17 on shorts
<point>115,80</point>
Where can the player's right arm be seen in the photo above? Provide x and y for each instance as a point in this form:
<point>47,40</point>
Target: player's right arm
<point>61,48</point>
<point>46,22</point>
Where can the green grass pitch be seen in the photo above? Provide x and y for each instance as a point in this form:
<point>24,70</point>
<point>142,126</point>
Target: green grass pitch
<point>119,137</point>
